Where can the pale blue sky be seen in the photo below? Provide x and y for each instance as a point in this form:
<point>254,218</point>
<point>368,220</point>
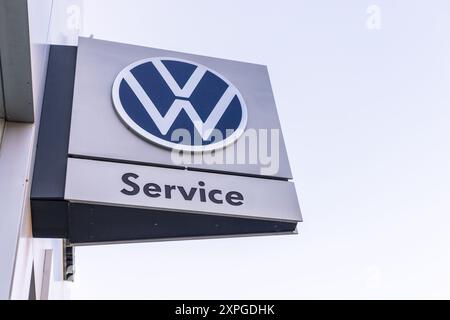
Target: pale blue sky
<point>365,115</point>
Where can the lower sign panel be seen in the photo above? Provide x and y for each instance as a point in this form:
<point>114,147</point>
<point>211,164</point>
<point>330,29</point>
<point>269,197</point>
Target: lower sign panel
<point>97,223</point>
<point>122,202</point>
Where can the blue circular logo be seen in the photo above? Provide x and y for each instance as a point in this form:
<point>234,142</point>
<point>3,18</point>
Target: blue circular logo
<point>179,104</point>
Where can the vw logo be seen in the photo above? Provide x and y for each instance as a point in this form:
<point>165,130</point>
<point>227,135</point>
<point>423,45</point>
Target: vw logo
<point>157,96</point>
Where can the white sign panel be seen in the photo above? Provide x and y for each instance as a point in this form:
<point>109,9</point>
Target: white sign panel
<point>133,103</point>
<point>110,183</point>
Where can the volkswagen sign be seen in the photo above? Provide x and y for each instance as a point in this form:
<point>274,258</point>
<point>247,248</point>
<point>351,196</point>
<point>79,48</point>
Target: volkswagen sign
<point>157,96</point>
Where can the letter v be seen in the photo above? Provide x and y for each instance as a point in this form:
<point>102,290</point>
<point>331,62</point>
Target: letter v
<point>186,196</point>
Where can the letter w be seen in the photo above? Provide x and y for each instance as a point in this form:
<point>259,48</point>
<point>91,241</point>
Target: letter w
<point>165,122</point>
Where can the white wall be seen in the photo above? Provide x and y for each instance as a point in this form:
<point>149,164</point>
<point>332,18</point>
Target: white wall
<point>18,249</point>
<point>2,125</point>
<point>55,22</point>
<point>16,160</point>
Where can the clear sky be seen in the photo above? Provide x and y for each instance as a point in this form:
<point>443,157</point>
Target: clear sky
<point>364,104</point>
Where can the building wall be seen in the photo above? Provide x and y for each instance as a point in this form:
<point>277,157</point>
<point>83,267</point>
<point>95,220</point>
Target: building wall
<point>2,125</point>
<point>21,254</point>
